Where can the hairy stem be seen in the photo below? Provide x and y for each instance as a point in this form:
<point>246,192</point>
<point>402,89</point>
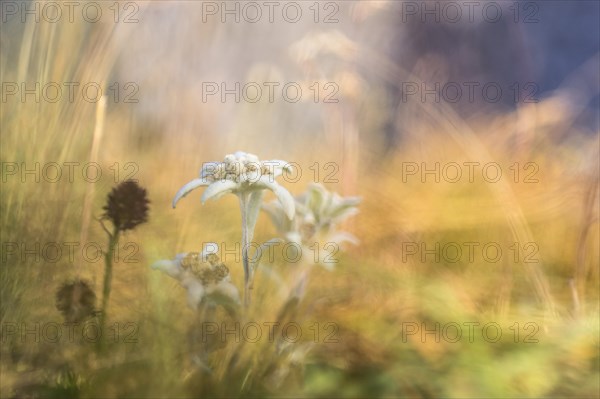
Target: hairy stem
<point>108,262</point>
<point>245,240</point>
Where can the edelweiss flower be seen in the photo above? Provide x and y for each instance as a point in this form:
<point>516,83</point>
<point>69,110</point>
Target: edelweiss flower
<point>241,173</point>
<point>244,175</point>
<point>318,212</point>
<point>200,274</point>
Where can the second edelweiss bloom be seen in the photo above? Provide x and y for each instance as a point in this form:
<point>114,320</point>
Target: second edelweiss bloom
<point>200,274</point>
<point>318,213</point>
<point>241,173</point>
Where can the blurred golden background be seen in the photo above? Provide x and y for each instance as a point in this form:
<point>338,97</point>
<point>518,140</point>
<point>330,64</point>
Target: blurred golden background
<point>156,62</point>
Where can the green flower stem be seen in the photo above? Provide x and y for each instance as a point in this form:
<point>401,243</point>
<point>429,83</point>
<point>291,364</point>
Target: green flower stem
<point>108,261</point>
<point>245,241</point>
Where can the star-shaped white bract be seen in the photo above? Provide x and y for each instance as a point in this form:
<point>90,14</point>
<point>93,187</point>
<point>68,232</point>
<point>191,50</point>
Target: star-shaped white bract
<point>318,212</point>
<point>241,173</point>
<point>194,280</point>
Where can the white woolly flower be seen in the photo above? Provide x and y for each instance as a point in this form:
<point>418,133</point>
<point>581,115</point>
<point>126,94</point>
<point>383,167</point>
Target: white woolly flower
<point>241,173</point>
<point>247,177</point>
<point>200,274</point>
<point>318,212</point>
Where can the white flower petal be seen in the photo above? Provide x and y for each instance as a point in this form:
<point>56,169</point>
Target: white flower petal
<point>227,289</point>
<point>277,166</point>
<point>195,292</point>
<point>179,257</point>
<point>183,191</point>
<point>343,211</point>
<point>294,237</point>
<point>169,267</point>
<point>317,198</point>
<point>279,219</point>
<point>287,201</point>
<point>218,189</point>
<point>327,259</point>
<point>285,198</point>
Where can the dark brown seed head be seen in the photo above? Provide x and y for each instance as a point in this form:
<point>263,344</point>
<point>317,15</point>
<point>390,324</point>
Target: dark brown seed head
<point>76,301</point>
<point>127,206</point>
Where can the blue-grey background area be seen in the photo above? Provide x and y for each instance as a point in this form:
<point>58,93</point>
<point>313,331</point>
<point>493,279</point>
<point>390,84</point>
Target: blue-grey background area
<point>554,44</point>
<point>569,36</point>
<point>174,49</point>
